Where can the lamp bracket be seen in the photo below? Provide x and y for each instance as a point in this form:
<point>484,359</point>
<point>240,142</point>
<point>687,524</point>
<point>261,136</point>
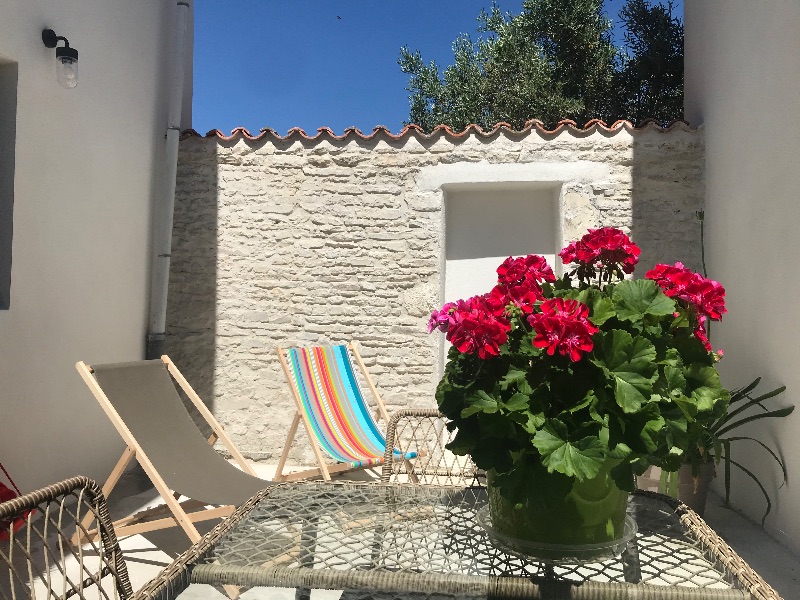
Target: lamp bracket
<point>50,39</point>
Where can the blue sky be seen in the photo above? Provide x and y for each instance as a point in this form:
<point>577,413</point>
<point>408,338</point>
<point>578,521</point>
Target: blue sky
<point>320,63</point>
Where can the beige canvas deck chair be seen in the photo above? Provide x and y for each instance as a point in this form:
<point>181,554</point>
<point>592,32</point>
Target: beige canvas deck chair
<point>332,407</point>
<point>143,403</point>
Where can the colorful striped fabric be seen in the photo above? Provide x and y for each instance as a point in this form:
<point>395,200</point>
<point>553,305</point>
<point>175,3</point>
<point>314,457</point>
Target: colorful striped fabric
<point>332,400</point>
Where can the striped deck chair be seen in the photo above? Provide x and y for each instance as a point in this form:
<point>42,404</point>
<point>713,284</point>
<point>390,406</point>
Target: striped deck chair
<point>334,411</point>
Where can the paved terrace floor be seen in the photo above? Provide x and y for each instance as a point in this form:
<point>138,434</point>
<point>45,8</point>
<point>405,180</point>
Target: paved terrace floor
<point>147,554</point>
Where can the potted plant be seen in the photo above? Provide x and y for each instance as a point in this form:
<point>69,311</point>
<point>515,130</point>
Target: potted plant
<point>564,389</point>
<point>713,446</point>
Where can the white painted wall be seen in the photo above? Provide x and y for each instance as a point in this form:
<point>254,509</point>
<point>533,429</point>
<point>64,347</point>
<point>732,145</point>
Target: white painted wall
<point>87,164</point>
<point>485,224</point>
<point>743,84</point>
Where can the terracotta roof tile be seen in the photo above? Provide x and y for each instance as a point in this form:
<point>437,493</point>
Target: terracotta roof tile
<point>408,130</point>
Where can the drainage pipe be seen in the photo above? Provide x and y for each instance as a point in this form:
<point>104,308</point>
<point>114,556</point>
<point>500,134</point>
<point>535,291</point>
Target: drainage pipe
<point>165,203</point>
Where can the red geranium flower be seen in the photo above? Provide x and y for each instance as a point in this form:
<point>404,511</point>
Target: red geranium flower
<point>708,296</point>
<point>523,295</point>
<point>705,296</point>
<point>524,268</point>
<point>607,249</point>
<point>672,279</point>
<point>700,333</point>
<point>475,328</point>
<point>570,253</point>
<point>518,281</point>
<point>563,325</point>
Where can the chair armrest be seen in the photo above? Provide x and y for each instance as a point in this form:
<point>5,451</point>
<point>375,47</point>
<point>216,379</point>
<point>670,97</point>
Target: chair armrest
<point>424,430</point>
<point>36,554</point>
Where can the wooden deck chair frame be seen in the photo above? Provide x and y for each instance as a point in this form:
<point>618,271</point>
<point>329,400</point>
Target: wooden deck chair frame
<point>324,469</point>
<point>159,517</point>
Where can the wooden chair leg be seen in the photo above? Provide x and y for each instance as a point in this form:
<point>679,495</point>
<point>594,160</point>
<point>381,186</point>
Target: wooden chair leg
<point>279,476</point>
<point>127,455</point>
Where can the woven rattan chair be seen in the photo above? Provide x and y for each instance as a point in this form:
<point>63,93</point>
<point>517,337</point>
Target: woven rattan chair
<point>142,401</point>
<point>426,430</point>
<point>37,559</point>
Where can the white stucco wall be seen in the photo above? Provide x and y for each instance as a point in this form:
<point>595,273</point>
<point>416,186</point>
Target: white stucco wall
<point>87,163</point>
<point>743,84</point>
<point>479,234</point>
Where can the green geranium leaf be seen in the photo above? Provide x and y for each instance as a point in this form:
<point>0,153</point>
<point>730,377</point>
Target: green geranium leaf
<point>495,425</point>
<point>691,349</point>
<point>465,439</point>
<point>587,400</point>
<point>487,457</point>
<point>631,362</point>
<point>582,459</point>
<point>687,406</point>
<point>633,299</point>
<point>449,399</point>
<point>640,431</point>
<point>518,402</point>
<point>526,347</point>
<point>651,431</point>
<point>533,422</point>
<point>676,429</point>
<point>601,308</point>
<point>672,358</point>
<point>513,376</point>
<point>523,387</point>
<point>620,452</point>
<point>479,402</point>
<point>623,476</point>
<point>705,386</point>
<point>676,382</point>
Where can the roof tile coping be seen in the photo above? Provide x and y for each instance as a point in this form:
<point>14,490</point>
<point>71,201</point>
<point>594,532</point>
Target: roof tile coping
<point>408,130</point>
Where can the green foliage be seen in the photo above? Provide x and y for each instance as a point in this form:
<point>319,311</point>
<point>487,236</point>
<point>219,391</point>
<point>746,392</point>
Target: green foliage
<point>556,60</point>
<point>710,441</point>
<point>650,80</point>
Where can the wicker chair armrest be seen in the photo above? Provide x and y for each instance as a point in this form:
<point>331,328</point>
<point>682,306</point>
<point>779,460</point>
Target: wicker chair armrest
<point>425,431</point>
<point>36,530</point>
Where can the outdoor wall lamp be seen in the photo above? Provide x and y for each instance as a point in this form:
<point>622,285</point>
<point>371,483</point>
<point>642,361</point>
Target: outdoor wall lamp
<point>66,59</point>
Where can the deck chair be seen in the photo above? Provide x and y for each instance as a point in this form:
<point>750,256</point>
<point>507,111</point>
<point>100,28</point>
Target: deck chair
<point>143,403</point>
<point>331,405</point>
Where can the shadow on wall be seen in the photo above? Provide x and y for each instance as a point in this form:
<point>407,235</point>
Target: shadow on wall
<point>664,224</point>
<point>192,301</point>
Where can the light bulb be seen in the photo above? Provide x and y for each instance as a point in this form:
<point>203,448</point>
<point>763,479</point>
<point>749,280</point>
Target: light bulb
<point>67,71</point>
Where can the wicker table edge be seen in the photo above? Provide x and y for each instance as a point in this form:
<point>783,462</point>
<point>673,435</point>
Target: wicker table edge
<point>179,574</point>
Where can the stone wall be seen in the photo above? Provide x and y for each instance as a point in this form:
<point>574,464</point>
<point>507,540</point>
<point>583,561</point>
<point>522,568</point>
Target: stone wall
<point>297,240</point>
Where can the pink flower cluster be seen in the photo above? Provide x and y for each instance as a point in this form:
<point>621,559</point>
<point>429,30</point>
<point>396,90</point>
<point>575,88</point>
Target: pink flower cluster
<point>563,325</point>
<point>704,297</point>
<point>602,249</point>
<point>441,319</point>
